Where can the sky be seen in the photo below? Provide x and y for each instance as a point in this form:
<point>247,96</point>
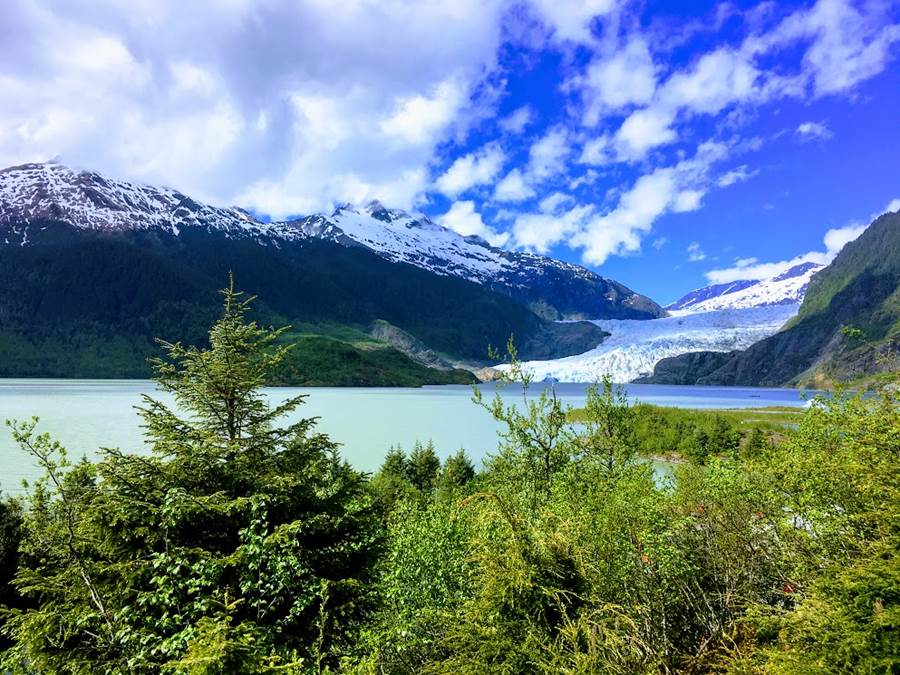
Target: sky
<point>665,144</point>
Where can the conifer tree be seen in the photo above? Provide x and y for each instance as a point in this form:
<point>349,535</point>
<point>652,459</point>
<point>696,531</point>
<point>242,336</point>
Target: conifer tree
<point>424,466</point>
<point>458,470</point>
<point>239,540</point>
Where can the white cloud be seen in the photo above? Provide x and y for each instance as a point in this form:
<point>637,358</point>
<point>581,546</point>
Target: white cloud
<point>517,120</point>
<point>687,200</point>
<point>418,119</point>
<point>513,188</point>
<point>808,131</point>
<point>597,151</point>
<point>225,103</point>
<point>841,44</point>
<point>834,240</point>
<point>644,130</point>
<point>589,177</point>
<point>674,189</point>
<point>847,43</point>
<point>624,78</point>
<point>546,157</point>
<point>620,230</point>
<point>695,253</point>
<point>476,168</point>
<point>659,242</point>
<point>738,175</point>
<point>716,80</point>
<point>570,20</point>
<point>552,202</point>
<point>539,231</point>
<point>750,268</point>
<point>464,219</point>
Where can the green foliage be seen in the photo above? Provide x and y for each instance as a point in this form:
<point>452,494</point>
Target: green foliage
<point>457,472</point>
<point>10,536</point>
<point>424,466</point>
<point>853,334</point>
<point>321,361</point>
<point>245,546</point>
<point>238,546</point>
<point>839,475</point>
<point>770,553</point>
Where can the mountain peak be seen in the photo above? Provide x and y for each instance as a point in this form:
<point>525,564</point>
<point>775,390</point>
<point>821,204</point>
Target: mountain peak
<point>797,271</point>
<point>786,288</point>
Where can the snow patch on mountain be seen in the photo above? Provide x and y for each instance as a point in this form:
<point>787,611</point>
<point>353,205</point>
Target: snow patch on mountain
<point>786,288</point>
<point>87,200</point>
<point>401,237</point>
<point>635,347</point>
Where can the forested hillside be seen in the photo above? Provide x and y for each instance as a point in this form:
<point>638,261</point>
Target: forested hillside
<point>78,303</point>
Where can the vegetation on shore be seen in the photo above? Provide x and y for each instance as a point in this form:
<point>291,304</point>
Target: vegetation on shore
<point>681,433</point>
<point>242,545</point>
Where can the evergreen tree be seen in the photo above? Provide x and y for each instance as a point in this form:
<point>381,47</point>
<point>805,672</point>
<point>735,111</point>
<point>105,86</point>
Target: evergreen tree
<point>458,470</point>
<point>391,482</point>
<point>237,546</point>
<point>424,466</point>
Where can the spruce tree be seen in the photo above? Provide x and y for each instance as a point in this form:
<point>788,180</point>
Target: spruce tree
<point>240,542</point>
<point>424,466</point>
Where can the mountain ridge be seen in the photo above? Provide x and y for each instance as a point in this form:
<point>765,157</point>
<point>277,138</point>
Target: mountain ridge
<point>554,289</point>
<point>784,288</point>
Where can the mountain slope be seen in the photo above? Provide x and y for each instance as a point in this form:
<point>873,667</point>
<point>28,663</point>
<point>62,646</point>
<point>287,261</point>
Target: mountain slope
<point>53,192</point>
<point>787,288</point>
<point>554,289</point>
<point>103,297</point>
<point>848,326</point>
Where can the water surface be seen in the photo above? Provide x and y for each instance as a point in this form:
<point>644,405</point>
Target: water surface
<point>88,414</point>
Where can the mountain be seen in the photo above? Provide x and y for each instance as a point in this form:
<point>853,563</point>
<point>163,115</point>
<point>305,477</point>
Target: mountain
<point>714,319</point>
<point>87,200</point>
<point>92,270</point>
<point>552,288</point>
<point>847,329</point>
<point>787,288</point>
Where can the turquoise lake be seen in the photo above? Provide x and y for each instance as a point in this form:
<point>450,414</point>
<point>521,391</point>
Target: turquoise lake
<point>88,414</point>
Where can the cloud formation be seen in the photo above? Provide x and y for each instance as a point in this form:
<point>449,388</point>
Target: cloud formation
<point>288,107</point>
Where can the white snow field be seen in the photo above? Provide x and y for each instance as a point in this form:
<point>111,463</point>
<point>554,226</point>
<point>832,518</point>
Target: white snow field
<point>634,347</point>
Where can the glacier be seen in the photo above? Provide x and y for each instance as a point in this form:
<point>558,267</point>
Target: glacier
<point>635,346</point>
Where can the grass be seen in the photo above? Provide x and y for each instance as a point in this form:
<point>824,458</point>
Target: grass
<point>769,417</point>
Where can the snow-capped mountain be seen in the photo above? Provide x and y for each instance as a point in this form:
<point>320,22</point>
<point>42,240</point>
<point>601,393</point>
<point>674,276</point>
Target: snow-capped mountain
<point>635,347</point>
<point>37,193</point>
<point>33,195</point>
<point>786,288</point>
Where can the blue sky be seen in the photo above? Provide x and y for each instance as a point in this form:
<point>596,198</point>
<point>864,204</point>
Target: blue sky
<point>664,144</point>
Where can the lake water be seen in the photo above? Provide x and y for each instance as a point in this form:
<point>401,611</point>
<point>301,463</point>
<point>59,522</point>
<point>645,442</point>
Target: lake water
<point>87,414</point>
